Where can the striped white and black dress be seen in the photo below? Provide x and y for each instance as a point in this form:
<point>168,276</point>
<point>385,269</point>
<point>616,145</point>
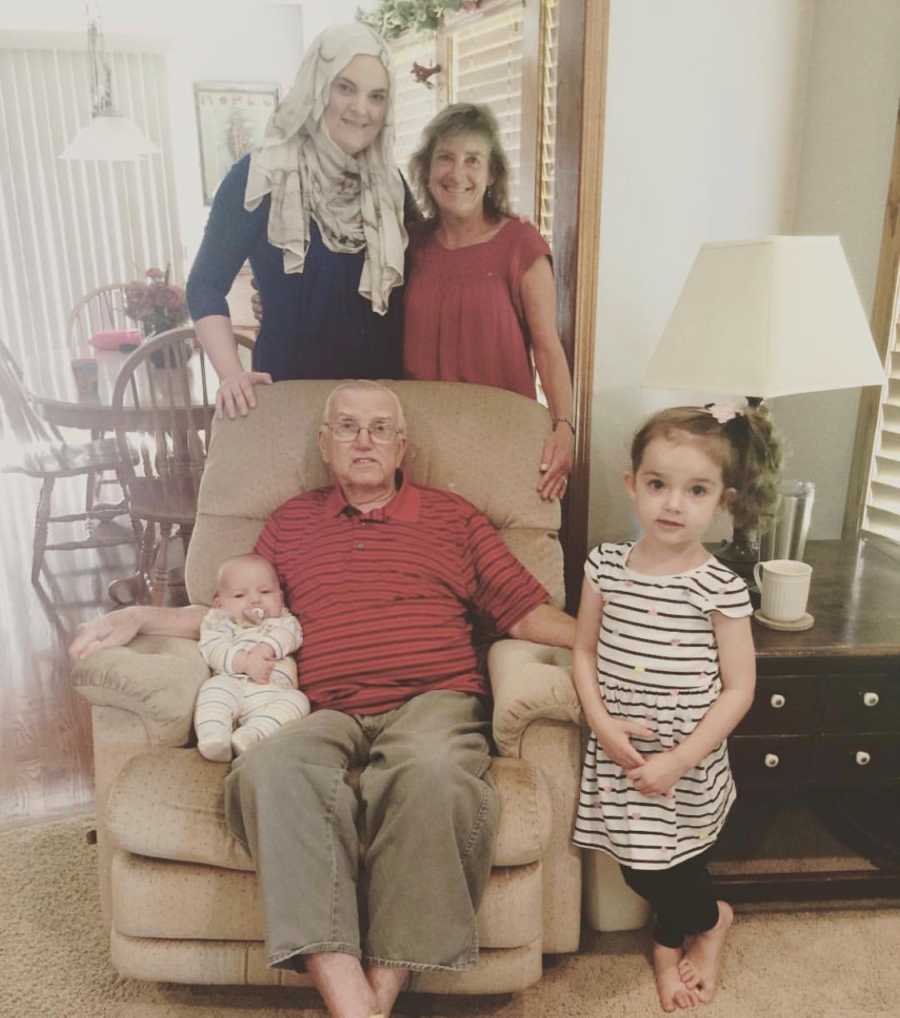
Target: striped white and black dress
<point>657,664</point>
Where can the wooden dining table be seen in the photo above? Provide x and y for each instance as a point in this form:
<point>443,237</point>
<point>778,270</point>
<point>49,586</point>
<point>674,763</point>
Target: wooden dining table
<point>69,403</point>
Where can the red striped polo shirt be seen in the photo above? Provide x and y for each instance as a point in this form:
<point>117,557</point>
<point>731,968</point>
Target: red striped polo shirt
<point>386,598</point>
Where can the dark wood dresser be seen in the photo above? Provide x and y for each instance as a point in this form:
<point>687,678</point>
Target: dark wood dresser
<point>824,728</point>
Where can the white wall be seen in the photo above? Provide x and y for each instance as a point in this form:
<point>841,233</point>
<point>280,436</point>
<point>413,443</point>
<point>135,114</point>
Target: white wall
<point>705,104</point>
<point>854,86</point>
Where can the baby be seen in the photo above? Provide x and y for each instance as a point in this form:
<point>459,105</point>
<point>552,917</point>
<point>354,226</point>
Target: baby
<point>247,638</point>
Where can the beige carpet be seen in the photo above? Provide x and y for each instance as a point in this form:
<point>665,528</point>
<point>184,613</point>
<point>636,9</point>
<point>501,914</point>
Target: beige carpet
<point>839,963</point>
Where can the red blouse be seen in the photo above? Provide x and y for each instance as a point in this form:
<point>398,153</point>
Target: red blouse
<point>464,320</point>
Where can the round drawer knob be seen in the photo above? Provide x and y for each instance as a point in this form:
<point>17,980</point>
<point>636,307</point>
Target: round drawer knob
<point>870,699</point>
<point>862,757</point>
<point>777,700</point>
<point>771,760</point>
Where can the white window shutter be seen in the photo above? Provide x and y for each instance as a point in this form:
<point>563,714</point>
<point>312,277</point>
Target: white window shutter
<point>882,513</point>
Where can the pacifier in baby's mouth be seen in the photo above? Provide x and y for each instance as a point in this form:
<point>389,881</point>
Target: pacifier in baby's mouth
<point>255,615</point>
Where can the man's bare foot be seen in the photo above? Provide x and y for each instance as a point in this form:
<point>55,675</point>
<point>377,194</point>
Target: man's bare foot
<point>699,969</point>
<point>669,984</point>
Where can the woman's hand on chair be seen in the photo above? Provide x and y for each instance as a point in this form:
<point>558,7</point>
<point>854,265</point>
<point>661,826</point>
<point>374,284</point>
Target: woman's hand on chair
<point>112,630</point>
<point>235,395</point>
<point>556,462</point>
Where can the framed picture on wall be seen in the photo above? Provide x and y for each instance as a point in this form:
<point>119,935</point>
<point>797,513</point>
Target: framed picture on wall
<point>231,118</point>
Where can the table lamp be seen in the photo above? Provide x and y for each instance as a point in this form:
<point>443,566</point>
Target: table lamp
<point>764,318</point>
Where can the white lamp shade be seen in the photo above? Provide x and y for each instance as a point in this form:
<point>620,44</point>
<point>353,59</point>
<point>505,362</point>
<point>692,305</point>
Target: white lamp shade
<point>109,138</point>
<point>767,318</point>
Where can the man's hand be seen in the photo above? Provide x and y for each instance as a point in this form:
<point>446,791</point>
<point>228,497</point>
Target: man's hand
<point>614,737</point>
<point>658,775</point>
<point>257,663</point>
<point>112,630</point>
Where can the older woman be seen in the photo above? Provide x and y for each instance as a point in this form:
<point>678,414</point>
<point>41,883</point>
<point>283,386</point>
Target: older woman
<point>480,302</point>
<point>318,209</point>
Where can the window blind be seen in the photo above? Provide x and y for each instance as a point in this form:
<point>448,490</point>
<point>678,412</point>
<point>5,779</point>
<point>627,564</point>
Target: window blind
<point>547,132</point>
<point>882,513</point>
<point>68,227</point>
<point>486,67</point>
<point>481,58</point>
<point>414,103</point>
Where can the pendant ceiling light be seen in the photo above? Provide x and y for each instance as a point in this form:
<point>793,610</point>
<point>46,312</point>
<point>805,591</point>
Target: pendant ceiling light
<point>109,137</point>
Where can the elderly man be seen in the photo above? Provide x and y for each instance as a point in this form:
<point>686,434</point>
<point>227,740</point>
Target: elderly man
<point>384,576</point>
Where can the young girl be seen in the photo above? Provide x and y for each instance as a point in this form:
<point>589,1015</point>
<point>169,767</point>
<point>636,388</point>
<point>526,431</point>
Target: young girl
<point>665,669</point>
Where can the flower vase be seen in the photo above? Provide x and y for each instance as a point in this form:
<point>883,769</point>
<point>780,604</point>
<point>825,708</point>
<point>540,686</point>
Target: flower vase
<point>175,356</point>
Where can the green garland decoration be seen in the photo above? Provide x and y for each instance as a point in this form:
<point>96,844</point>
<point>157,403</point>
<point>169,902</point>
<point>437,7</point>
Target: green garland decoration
<point>391,18</point>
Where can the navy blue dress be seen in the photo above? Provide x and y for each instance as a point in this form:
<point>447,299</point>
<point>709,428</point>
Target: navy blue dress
<point>315,323</point>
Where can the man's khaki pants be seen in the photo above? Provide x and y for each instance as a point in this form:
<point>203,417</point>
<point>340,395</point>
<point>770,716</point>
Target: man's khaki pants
<point>393,873</point>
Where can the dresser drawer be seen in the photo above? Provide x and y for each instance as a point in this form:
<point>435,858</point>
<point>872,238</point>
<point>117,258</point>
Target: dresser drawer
<point>861,703</point>
<point>771,761</point>
<point>869,760</point>
<point>783,705</point>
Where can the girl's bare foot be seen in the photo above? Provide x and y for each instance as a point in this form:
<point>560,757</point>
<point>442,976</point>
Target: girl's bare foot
<point>699,968</point>
<point>669,984</point>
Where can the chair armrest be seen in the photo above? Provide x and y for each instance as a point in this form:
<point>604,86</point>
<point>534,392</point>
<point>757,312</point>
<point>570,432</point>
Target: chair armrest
<point>530,682</point>
<point>154,677</point>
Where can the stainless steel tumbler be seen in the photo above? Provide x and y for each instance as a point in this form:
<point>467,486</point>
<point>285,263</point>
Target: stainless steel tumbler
<point>789,525</point>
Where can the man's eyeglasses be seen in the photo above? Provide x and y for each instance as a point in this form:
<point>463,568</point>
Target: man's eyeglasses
<point>379,431</point>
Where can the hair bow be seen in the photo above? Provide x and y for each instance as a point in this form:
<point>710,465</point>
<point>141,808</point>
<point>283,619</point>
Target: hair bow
<point>723,412</point>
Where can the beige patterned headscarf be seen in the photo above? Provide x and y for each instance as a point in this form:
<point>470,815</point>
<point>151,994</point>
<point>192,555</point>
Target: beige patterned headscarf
<point>356,201</point>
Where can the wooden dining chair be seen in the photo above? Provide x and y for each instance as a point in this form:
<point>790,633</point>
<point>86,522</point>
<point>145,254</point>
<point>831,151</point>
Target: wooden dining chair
<point>33,447</point>
<point>163,405</point>
<point>100,310</point>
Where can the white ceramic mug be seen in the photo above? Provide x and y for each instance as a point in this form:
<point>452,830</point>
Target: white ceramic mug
<point>784,584</point>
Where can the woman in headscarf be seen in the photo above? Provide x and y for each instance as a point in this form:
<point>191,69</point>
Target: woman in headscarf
<point>318,209</point>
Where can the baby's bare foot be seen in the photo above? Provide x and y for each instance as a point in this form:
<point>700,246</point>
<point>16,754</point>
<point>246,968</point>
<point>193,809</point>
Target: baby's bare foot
<point>669,984</point>
<point>699,969</point>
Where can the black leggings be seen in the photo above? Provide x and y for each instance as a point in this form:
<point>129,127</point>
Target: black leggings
<point>682,898</point>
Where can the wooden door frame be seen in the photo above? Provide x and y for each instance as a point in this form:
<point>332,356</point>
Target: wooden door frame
<point>581,107</point>
<point>882,322</point>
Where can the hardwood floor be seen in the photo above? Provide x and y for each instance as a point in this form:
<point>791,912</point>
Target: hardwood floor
<point>46,762</point>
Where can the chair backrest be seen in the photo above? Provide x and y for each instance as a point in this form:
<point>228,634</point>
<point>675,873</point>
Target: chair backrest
<point>100,310</point>
<point>479,442</point>
<point>162,408</point>
<point>23,431</point>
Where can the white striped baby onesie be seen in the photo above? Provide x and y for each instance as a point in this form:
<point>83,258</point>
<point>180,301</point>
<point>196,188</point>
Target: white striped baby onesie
<point>657,664</point>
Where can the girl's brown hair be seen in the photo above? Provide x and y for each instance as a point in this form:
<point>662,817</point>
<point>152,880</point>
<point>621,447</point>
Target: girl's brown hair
<point>747,448</point>
<point>463,118</point>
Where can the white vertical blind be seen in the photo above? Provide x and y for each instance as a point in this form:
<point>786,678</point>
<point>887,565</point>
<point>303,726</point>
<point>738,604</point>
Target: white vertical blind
<point>68,227</point>
<point>882,513</point>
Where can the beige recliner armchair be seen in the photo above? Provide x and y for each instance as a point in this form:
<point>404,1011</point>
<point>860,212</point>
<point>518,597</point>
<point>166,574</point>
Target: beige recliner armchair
<point>178,891</point>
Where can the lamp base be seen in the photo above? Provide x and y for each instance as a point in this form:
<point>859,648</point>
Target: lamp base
<point>741,553</point>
